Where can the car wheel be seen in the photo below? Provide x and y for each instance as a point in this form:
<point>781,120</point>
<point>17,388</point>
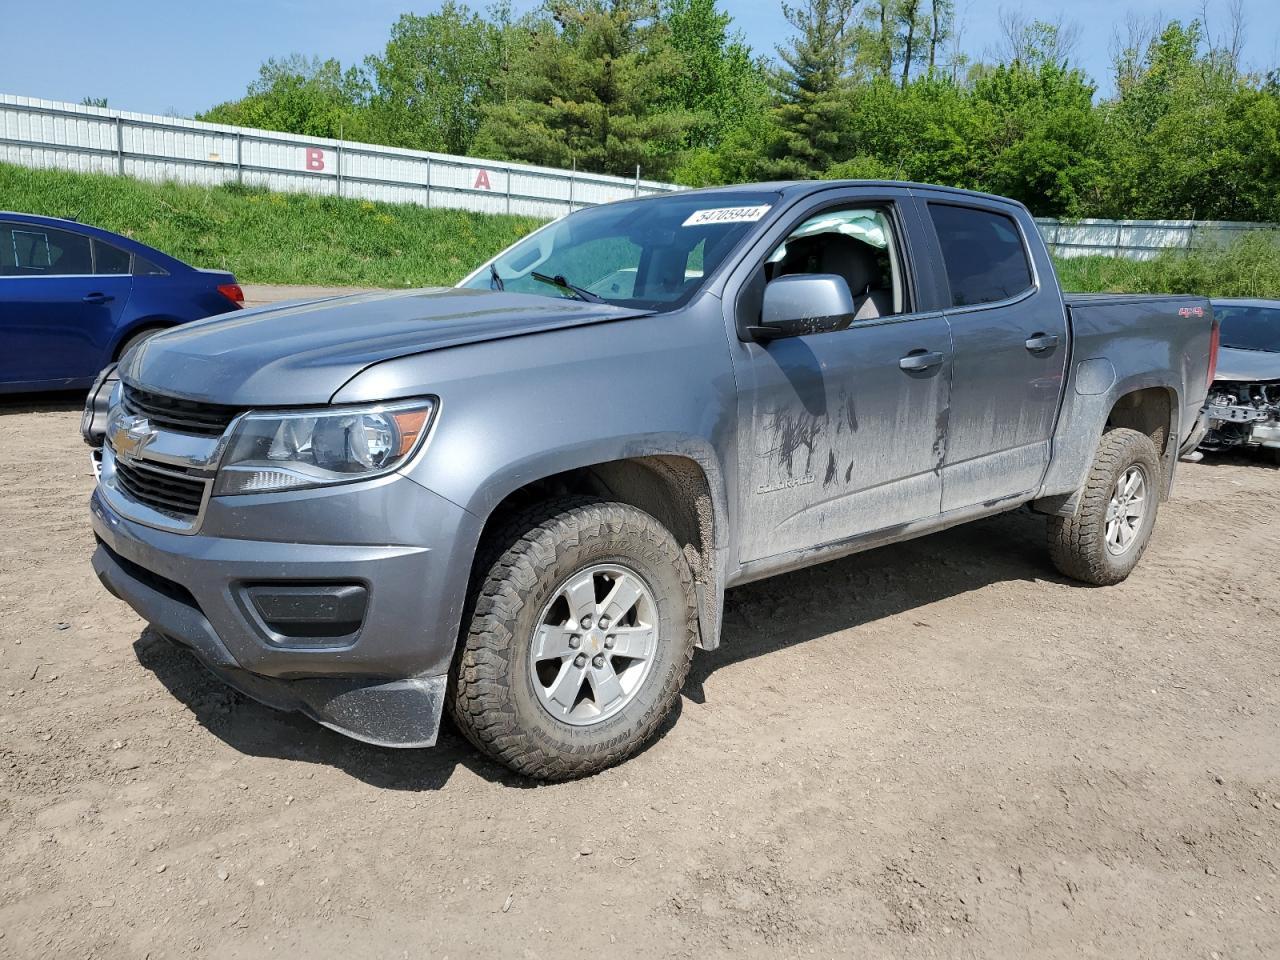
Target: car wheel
<point>1105,538</point>
<point>582,628</point>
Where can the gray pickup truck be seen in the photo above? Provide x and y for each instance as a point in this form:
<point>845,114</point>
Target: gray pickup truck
<point>522,499</point>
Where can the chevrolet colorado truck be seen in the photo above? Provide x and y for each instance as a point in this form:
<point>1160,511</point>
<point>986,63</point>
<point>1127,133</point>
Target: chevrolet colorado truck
<point>521,500</point>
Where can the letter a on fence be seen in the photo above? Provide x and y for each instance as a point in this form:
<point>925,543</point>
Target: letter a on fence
<point>482,181</point>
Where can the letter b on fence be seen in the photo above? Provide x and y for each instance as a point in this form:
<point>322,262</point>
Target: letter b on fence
<point>315,158</point>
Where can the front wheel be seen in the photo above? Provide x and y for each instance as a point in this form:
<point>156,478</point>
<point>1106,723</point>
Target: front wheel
<point>1105,538</point>
<point>580,639</point>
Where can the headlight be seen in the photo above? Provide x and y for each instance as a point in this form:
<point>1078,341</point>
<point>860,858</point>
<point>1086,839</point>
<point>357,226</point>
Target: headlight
<point>311,448</point>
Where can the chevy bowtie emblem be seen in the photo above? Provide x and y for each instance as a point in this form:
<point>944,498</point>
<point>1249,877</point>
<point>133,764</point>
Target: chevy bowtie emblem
<point>130,434</point>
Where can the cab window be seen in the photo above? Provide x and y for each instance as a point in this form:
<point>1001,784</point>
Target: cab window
<point>983,252</point>
<point>859,244</point>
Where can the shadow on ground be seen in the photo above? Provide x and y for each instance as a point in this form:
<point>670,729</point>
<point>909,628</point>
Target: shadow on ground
<point>791,609</point>
<point>48,402</point>
<point>760,618</point>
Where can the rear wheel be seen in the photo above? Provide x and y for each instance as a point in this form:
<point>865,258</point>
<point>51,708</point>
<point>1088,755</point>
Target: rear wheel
<point>579,641</point>
<point>1105,539</point>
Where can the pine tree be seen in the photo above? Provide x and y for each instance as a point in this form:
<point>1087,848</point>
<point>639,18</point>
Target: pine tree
<point>585,89</point>
<point>812,87</point>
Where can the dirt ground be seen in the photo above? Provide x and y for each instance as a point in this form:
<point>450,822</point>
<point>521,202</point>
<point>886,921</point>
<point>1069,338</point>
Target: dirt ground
<point>937,749</point>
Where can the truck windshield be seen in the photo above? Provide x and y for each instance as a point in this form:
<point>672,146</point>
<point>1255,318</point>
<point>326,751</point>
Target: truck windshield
<point>1249,328</point>
<point>653,254</point>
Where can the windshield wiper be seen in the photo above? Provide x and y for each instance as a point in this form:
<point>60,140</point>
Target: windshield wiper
<point>497,280</point>
<point>559,281</point>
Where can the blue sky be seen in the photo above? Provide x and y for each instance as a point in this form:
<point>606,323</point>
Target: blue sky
<point>185,55</point>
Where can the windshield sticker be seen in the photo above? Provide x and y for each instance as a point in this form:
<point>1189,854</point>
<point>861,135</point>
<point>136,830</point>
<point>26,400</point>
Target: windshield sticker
<point>700,218</point>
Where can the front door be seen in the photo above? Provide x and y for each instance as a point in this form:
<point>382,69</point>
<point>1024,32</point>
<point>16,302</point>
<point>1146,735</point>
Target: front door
<point>840,430</point>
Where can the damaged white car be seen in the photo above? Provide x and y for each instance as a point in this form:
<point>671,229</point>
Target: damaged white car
<point>1243,407</point>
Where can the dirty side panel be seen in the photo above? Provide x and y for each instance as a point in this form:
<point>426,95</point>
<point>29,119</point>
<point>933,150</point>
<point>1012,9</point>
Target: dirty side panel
<point>843,440</point>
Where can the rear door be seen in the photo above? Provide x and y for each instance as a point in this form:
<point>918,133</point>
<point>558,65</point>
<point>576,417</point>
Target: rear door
<point>840,430</point>
<point>1009,329</point>
<point>62,295</point>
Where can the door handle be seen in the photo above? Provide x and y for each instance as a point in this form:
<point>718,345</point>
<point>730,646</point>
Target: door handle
<point>920,360</point>
<point>1042,342</point>
<point>97,298</point>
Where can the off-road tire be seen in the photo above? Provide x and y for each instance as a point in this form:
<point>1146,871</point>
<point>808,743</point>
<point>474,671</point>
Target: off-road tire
<point>520,568</point>
<point>1077,544</point>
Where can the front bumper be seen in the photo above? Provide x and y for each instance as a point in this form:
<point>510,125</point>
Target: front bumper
<point>1227,432</point>
<point>408,548</point>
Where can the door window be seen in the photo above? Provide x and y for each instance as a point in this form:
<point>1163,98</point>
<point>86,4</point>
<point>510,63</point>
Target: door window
<point>31,250</point>
<point>855,243</point>
<point>142,267</point>
<point>983,251</point>
<point>108,259</point>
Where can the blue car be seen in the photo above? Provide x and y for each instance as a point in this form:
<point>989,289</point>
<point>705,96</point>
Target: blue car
<point>74,298</point>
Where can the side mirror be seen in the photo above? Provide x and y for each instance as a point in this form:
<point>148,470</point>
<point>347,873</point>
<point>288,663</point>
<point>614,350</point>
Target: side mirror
<point>804,303</point>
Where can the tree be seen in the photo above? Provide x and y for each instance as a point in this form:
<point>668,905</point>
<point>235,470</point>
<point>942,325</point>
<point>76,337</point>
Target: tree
<point>909,15</point>
<point>875,41</point>
<point>303,95</point>
<point>586,88</point>
<point>719,81</point>
<point>812,84</point>
<point>436,76</point>
<point>725,89</point>
<point>1033,42</point>
<point>1190,134</point>
<point>942,15</point>
<point>1038,137</point>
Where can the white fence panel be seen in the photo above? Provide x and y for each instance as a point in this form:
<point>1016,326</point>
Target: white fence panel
<point>45,133</point>
<point>1138,239</point>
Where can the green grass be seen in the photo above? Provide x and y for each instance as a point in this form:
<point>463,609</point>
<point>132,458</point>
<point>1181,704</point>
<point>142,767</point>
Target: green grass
<point>265,237</point>
<point>1247,267</point>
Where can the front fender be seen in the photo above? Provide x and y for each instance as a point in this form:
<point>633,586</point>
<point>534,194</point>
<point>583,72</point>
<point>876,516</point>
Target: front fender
<point>518,410</point>
<point>515,410</point>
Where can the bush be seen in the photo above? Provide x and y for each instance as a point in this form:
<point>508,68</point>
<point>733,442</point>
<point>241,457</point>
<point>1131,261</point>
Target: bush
<point>1249,266</point>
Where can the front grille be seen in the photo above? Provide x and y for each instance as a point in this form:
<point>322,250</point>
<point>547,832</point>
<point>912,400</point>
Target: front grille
<point>174,413</point>
<point>165,490</point>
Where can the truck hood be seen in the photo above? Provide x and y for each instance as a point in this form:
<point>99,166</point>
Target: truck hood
<point>302,353</point>
<point>1237,365</point>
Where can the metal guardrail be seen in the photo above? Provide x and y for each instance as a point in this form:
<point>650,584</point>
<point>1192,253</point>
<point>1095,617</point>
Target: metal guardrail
<point>42,133</point>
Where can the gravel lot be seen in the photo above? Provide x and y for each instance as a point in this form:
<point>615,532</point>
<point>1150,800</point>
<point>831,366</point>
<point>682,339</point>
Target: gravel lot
<point>936,749</point>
